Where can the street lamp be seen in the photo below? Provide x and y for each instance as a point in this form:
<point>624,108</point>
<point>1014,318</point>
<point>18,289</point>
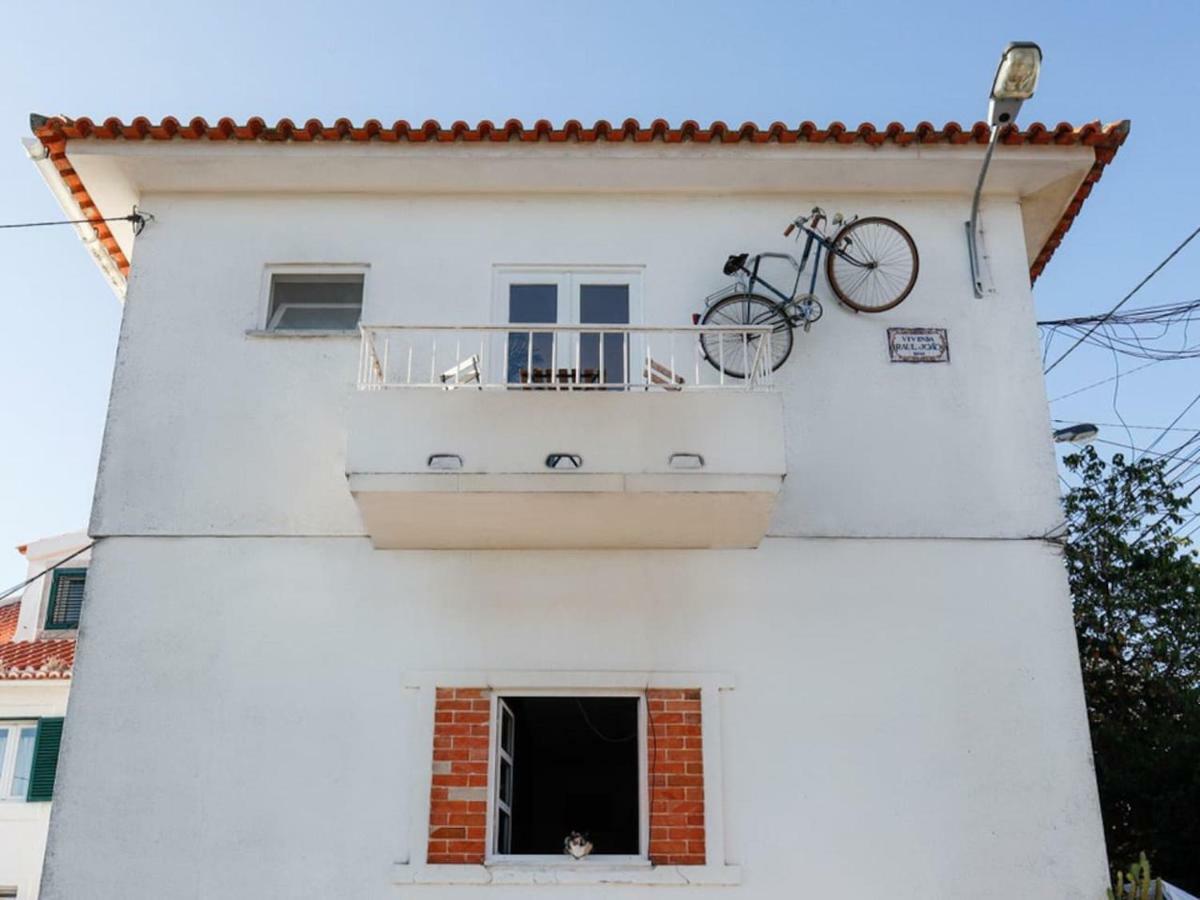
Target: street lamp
<point>1083,433</point>
<point>1016,80</point>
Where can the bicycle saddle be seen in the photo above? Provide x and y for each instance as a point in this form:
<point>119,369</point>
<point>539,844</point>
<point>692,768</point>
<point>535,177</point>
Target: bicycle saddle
<point>735,262</point>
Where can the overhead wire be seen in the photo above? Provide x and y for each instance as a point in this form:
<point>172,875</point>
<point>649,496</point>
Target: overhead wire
<point>28,581</point>
<point>136,218</point>
<point>1082,338</point>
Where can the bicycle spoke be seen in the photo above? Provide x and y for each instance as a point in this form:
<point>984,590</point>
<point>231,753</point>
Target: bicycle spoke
<point>877,266</point>
<point>736,353</point>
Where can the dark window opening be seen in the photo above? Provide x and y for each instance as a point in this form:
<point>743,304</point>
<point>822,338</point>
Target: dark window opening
<point>568,764</point>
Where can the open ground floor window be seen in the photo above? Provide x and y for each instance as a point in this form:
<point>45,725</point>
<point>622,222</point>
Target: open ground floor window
<point>568,770</point>
<point>515,773</point>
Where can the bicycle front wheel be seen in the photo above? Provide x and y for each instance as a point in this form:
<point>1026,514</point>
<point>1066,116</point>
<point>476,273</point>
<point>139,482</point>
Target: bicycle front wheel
<point>873,265</point>
<point>738,353</point>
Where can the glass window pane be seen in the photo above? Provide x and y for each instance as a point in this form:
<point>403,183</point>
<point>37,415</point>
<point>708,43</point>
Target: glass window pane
<point>536,303</point>
<point>604,304</point>
<point>3,748</point>
<point>318,318</point>
<point>601,304</point>
<point>317,288</point>
<point>506,782</point>
<point>506,731</point>
<point>316,302</point>
<point>503,833</point>
<point>25,742</point>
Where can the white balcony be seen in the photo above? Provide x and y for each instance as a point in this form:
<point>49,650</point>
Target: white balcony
<point>554,436</point>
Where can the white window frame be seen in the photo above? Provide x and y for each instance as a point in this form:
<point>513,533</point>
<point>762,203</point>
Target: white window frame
<point>265,316</point>
<point>568,279</point>
<point>642,857</point>
<point>8,760</point>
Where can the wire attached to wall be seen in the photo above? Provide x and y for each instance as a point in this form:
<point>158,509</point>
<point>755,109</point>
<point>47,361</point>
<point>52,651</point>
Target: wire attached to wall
<point>137,218</point>
<point>28,581</point>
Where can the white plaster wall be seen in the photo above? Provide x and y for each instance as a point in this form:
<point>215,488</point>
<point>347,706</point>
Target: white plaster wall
<point>215,432</point>
<point>23,825</point>
<point>906,721</point>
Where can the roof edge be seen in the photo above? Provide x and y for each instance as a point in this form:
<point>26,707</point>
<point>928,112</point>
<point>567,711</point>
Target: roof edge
<point>1118,132</point>
<point>55,132</point>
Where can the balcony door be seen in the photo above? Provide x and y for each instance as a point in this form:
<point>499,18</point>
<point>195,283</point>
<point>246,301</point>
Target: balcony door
<point>568,297</point>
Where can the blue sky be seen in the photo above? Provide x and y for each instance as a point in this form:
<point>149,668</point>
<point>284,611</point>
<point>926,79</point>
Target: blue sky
<point>870,61</point>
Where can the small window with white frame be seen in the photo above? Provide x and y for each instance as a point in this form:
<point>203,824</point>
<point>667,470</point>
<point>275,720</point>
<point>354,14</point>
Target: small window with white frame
<point>310,299</point>
<point>17,742</point>
<point>568,778</point>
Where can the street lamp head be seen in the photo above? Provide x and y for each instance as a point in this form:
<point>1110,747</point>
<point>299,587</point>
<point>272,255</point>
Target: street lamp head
<point>1016,80</point>
<point>1083,433</point>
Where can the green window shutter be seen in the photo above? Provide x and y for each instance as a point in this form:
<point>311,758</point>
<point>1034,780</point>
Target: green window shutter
<point>66,598</point>
<point>45,759</point>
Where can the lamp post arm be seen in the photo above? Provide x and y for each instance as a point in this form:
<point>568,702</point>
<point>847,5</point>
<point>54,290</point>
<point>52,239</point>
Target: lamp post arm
<point>972,225</point>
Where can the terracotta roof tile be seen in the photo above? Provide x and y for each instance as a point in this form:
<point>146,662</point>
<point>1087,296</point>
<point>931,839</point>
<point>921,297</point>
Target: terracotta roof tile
<point>9,613</point>
<point>55,133</point>
<point>37,659</point>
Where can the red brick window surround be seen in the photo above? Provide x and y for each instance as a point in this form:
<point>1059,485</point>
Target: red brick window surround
<point>458,798</point>
<point>458,806</point>
<point>676,769</point>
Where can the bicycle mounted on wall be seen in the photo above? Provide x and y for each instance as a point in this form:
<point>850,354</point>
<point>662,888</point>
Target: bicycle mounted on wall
<point>871,265</point>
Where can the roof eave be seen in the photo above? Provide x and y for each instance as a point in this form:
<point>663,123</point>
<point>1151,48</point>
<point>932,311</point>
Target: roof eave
<point>53,133</point>
<point>92,235</point>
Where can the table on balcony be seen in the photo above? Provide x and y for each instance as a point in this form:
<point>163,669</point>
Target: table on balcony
<point>563,379</point>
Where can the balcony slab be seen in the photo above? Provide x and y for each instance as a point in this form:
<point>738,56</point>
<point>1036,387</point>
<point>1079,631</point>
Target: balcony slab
<point>625,494</point>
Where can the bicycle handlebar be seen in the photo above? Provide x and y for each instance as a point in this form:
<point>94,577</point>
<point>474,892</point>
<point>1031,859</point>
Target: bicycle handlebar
<point>815,217</point>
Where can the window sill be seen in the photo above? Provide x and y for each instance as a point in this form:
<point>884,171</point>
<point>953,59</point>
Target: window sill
<point>583,873</point>
<point>283,333</point>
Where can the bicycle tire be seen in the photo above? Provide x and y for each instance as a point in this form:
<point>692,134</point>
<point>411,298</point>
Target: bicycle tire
<point>891,270</point>
<point>732,353</point>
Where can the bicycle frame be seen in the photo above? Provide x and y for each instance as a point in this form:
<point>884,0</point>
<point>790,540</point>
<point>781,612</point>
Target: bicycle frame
<point>814,237</point>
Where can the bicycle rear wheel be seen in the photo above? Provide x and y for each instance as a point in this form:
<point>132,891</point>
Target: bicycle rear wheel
<point>737,353</point>
<point>873,265</point>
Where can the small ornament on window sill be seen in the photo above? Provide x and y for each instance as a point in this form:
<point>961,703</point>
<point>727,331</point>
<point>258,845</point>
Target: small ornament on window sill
<point>577,845</point>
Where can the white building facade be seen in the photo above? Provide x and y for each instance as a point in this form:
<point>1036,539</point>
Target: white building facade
<point>38,629</point>
<point>389,613</point>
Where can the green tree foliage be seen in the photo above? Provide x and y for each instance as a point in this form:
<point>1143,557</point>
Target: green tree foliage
<point>1136,589</point>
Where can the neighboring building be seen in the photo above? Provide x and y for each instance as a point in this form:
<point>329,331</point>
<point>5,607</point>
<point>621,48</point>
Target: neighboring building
<point>392,613</point>
<point>38,626</point>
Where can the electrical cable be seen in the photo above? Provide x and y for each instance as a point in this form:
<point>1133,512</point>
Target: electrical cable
<point>596,731</point>
<point>1123,300</point>
<point>1117,425</point>
<point>28,581</point>
<point>1103,381</point>
<point>136,218</point>
<point>1174,422</point>
<point>1160,455</point>
<point>1163,518</point>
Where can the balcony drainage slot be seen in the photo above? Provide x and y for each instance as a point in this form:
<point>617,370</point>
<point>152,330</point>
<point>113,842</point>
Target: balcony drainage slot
<point>686,461</point>
<point>564,461</point>
<point>445,461</point>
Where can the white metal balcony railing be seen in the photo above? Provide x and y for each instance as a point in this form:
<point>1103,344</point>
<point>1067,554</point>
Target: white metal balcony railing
<point>566,357</point>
